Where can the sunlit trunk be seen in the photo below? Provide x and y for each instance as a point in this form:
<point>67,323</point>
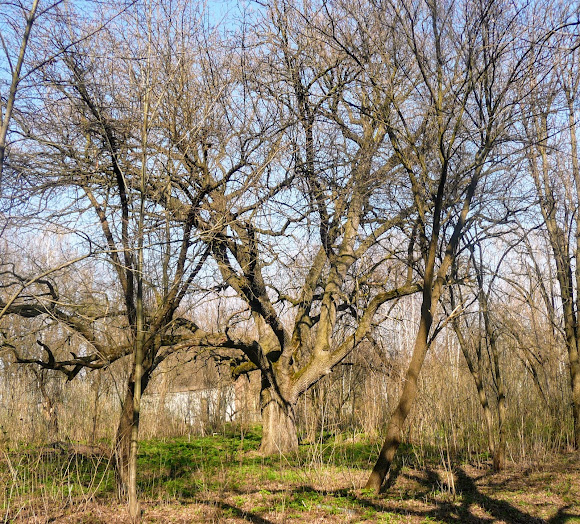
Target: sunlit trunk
<point>395,428</point>
<point>279,433</point>
<point>123,441</point>
<point>575,383</point>
<point>123,437</point>
<point>499,455</point>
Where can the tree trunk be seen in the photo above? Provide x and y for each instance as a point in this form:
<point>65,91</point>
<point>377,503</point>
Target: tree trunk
<point>573,351</point>
<point>478,380</point>
<point>123,436</point>
<point>97,388</point>
<point>50,411</point>
<point>574,357</point>
<point>486,411</point>
<point>279,433</point>
<point>499,456</point>
<point>51,415</point>
<point>395,428</point>
<point>123,442</point>
<point>49,408</point>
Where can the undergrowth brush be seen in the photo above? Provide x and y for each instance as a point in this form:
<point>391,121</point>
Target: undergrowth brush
<point>224,472</point>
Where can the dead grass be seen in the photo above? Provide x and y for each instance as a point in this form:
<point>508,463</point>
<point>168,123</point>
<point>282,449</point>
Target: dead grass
<point>289,492</point>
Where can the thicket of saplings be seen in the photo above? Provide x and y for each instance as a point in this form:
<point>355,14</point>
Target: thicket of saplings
<point>39,409</point>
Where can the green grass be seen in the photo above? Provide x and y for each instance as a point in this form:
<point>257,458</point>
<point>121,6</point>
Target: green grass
<point>224,474</point>
<point>180,468</point>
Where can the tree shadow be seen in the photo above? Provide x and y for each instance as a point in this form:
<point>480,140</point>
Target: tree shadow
<point>236,512</point>
<point>499,509</point>
<point>471,506</point>
<point>563,516</point>
<point>463,511</point>
<point>392,476</point>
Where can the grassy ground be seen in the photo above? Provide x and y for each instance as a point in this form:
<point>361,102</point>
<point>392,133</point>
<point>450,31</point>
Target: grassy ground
<point>222,479</point>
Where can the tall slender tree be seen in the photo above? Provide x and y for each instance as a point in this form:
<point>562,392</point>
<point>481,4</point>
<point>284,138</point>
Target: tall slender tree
<point>550,136</point>
<point>462,70</point>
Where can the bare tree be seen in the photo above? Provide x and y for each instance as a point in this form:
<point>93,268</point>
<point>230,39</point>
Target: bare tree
<point>320,301</point>
<point>112,131</point>
<point>446,132</point>
<point>550,125</point>
<point>16,71</point>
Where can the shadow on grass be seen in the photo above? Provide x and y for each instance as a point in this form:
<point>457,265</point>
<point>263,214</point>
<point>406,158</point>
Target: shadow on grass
<point>563,516</point>
<point>179,465</point>
<point>499,509</point>
<point>471,505</point>
<point>236,512</point>
<point>392,476</point>
<point>464,509</point>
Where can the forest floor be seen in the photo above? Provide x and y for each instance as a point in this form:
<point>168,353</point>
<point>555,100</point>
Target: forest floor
<point>221,479</point>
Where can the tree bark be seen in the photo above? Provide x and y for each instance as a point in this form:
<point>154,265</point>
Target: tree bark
<point>481,394</point>
<point>279,435</point>
<point>123,436</point>
<point>499,455</point>
<point>123,442</point>
<point>573,351</point>
<point>395,428</point>
<point>575,383</point>
<point>565,252</point>
<point>49,409</point>
<point>97,387</point>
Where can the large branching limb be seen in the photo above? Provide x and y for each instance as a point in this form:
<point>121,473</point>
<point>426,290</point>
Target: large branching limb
<point>34,310</point>
<point>239,365</point>
<point>70,367</point>
<point>253,273</point>
<point>243,369</point>
<point>22,282</point>
<point>283,297</point>
<point>72,320</point>
<point>322,364</point>
<point>249,285</point>
<point>341,307</point>
<point>340,264</point>
<point>193,338</point>
<point>303,322</point>
<point>254,355</point>
<point>307,294</point>
<point>197,339</point>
